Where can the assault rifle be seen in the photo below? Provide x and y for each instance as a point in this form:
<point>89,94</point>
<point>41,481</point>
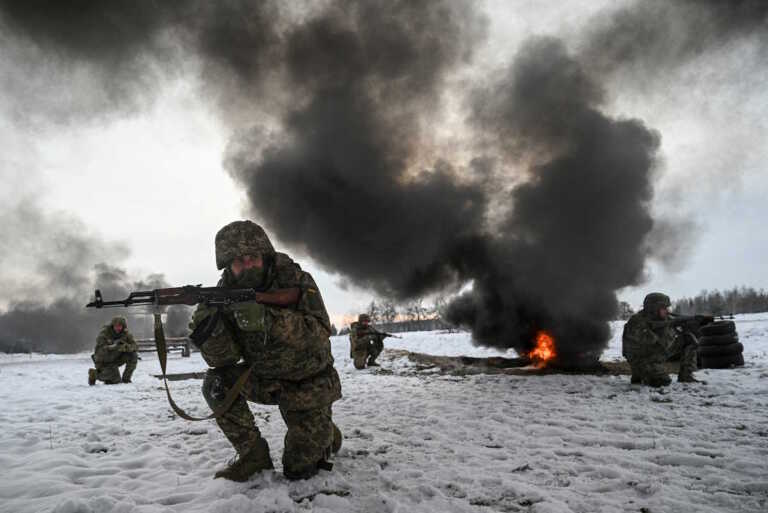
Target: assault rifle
<point>384,334</point>
<point>193,294</point>
<point>689,323</point>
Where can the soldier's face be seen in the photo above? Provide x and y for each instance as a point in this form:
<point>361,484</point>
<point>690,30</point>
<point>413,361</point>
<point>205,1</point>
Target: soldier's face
<point>117,327</point>
<point>663,313</point>
<point>241,264</point>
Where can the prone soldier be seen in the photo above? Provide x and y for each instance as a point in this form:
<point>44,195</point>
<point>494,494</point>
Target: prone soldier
<point>115,346</point>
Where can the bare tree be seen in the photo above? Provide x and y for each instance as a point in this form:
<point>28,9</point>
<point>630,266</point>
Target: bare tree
<point>415,311</point>
<point>439,307</point>
<point>625,311</point>
<point>388,311</point>
<point>374,311</point>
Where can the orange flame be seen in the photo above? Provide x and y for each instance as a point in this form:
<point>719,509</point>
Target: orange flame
<point>544,350</point>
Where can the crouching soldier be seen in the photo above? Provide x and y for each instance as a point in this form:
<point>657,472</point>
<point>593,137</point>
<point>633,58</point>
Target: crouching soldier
<point>649,340</point>
<point>276,350</point>
<point>365,343</point>
<point>115,346</point>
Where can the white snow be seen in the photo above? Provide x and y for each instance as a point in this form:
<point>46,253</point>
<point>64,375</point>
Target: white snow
<point>413,442</point>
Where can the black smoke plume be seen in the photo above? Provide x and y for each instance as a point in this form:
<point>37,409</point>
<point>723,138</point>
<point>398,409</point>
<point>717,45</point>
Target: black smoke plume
<point>339,183</point>
<point>577,228</point>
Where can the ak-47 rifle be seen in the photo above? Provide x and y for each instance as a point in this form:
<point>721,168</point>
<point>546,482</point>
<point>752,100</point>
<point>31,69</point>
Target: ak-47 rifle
<point>384,334</point>
<point>191,295</point>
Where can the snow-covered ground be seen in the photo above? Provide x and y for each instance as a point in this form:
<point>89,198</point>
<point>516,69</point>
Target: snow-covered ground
<point>413,443</point>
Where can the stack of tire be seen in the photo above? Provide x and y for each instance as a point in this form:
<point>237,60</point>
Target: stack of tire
<point>719,346</point>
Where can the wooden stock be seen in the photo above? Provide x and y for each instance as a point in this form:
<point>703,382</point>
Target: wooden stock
<point>279,297</point>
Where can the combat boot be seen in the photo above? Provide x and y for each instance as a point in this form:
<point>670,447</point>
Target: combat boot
<point>372,363</point>
<point>687,378</point>
<point>249,463</point>
<point>657,381</point>
<point>127,376</point>
<point>635,380</point>
<point>91,377</point>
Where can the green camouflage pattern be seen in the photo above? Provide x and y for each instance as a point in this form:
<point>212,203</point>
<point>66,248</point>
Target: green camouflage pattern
<point>365,343</point>
<point>646,346</point>
<point>288,350</point>
<point>655,301</point>
<point>308,441</point>
<point>114,350</point>
<point>110,373</point>
<point>305,407</point>
<point>241,238</point>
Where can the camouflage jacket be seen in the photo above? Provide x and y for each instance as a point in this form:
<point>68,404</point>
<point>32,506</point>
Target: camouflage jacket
<point>284,343</point>
<point>359,333</point>
<point>109,345</point>
<point>641,339</point>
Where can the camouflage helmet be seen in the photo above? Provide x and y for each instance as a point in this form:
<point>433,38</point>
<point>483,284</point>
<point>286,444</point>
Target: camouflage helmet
<point>363,318</point>
<point>240,238</point>
<point>654,301</point>
<point>120,321</point>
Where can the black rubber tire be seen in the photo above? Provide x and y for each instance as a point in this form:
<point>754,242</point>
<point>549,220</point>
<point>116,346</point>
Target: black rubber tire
<point>718,340</point>
<point>708,351</point>
<point>722,362</point>
<point>718,328</point>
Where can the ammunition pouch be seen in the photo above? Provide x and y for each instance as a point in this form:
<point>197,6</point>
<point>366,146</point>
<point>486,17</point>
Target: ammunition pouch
<point>250,316</point>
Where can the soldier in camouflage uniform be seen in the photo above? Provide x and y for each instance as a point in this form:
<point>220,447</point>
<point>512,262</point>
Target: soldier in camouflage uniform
<point>283,340</point>
<point>115,346</point>
<point>649,341</point>
<point>365,343</point>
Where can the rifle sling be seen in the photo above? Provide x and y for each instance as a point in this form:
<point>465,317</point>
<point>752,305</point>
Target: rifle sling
<point>162,355</point>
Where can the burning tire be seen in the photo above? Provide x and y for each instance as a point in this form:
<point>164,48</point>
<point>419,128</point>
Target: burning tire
<point>718,340</point>
<point>721,350</point>
<point>719,328</point>
<point>723,361</point>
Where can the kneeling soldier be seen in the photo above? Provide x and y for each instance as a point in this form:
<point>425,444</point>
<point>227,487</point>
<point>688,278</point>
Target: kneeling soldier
<point>649,340</point>
<point>366,344</point>
<point>282,341</point>
<point>115,346</point>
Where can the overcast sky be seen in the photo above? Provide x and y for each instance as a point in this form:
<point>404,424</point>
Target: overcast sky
<point>154,179</point>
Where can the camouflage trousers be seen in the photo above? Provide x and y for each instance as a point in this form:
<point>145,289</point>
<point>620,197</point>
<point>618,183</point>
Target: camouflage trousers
<point>304,406</point>
<point>109,372</point>
<point>366,350</point>
<point>650,370</point>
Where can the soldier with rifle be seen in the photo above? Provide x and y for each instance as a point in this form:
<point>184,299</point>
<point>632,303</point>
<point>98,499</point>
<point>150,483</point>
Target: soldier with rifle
<point>654,334</point>
<point>115,346</point>
<point>365,342</point>
<point>264,333</point>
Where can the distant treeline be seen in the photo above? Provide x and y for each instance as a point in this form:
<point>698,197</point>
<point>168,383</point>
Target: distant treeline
<point>734,301</point>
